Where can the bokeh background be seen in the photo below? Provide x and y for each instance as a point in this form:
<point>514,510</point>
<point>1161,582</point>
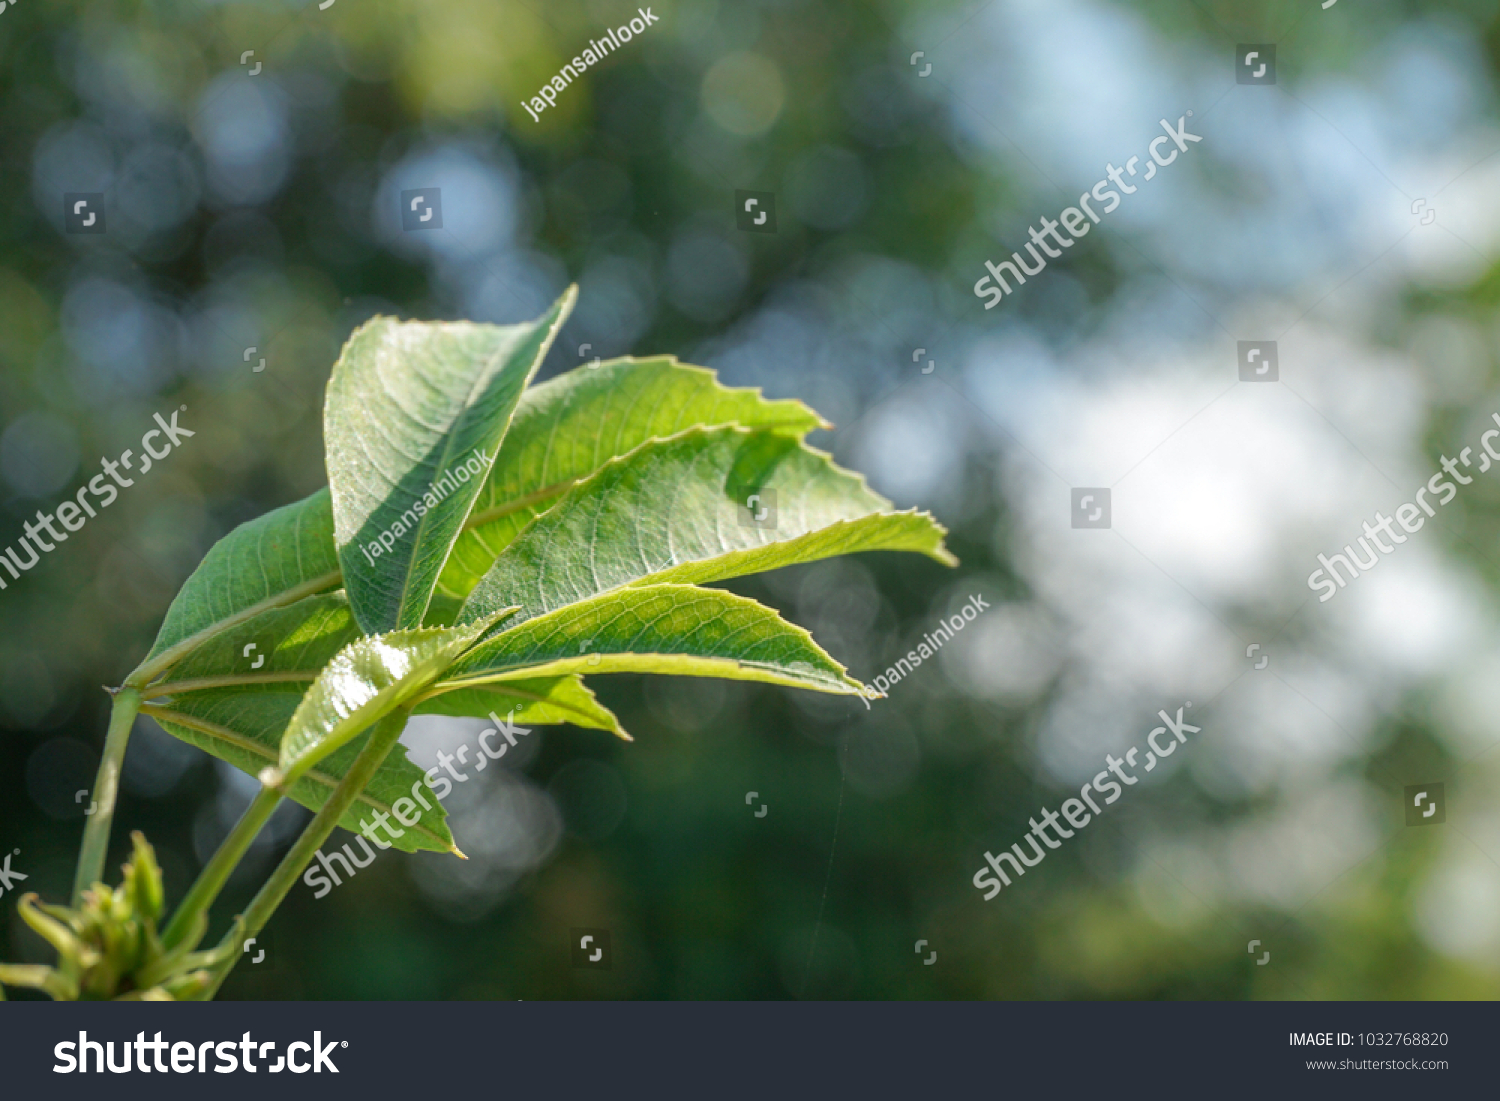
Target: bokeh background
<point>260,211</point>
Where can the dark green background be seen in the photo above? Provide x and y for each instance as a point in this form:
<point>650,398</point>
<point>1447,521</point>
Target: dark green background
<point>890,194</point>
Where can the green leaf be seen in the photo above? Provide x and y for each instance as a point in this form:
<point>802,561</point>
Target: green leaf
<point>542,701</point>
<point>243,726</point>
<point>274,560</point>
<point>563,430</point>
<point>409,405</point>
<point>569,427</point>
<point>290,644</point>
<point>237,705</point>
<point>678,629</point>
<point>217,700</point>
<point>675,510</point>
<point>367,680</point>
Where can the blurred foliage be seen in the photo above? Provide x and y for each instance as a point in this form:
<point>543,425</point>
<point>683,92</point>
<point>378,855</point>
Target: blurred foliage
<point>261,212</point>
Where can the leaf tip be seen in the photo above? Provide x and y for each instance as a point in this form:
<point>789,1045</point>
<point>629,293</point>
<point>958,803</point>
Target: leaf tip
<point>855,687</point>
<point>555,317</point>
<point>939,553</point>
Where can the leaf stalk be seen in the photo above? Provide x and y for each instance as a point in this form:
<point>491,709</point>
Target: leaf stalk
<point>95,848</point>
<point>217,871</point>
<point>383,737</point>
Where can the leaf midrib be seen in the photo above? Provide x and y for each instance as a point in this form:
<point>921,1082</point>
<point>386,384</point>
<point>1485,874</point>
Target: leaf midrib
<point>177,651</point>
<point>228,680</point>
<point>561,666</point>
<point>450,442</point>
<point>516,504</point>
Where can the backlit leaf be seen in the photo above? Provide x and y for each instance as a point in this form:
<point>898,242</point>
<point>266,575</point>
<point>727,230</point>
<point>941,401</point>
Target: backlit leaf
<point>415,414</point>
<point>678,629</point>
<point>676,510</point>
<point>274,560</point>
<point>568,427</point>
<point>367,680</point>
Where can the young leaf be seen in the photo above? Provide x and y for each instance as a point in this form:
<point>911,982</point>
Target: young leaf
<point>675,510</point>
<point>678,629</point>
<point>570,426</point>
<point>367,680</point>
<point>541,701</point>
<point>267,562</point>
<point>415,413</point>
<point>243,726</point>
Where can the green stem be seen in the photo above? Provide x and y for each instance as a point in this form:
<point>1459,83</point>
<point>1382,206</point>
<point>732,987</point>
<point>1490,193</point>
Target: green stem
<point>217,871</point>
<point>95,848</point>
<point>383,736</point>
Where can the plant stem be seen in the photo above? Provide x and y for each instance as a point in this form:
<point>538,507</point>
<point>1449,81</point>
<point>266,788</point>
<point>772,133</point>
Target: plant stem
<point>383,736</point>
<point>95,848</point>
<point>217,871</point>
